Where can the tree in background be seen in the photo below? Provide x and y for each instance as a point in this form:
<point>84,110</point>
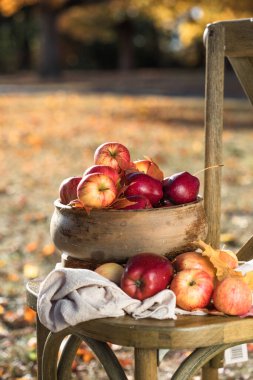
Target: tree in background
<point>175,27</point>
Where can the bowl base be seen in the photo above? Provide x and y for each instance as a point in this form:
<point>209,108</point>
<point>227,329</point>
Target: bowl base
<point>72,262</point>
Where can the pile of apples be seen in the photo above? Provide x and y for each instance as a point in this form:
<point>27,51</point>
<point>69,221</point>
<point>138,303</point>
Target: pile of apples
<point>191,276</point>
<point>117,182</point>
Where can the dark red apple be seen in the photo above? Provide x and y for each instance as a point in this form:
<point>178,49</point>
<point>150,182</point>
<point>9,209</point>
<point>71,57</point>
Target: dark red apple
<point>143,184</point>
<point>141,202</point>
<point>181,188</point>
<point>164,203</point>
<point>146,274</point>
<point>68,189</point>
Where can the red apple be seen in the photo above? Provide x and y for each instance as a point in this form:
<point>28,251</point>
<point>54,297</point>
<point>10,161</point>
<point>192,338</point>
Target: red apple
<point>164,203</point>
<point>140,202</point>
<point>104,169</point>
<point>113,154</point>
<point>68,189</point>
<point>143,184</point>
<point>145,275</point>
<point>181,188</point>
<point>193,289</point>
<point>232,296</point>
<point>193,260</point>
<point>96,190</point>
<point>149,167</point>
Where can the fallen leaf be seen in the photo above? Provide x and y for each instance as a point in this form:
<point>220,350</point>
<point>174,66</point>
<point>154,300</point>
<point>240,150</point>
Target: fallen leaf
<point>31,247</point>
<point>48,249</point>
<point>121,203</point>
<point>222,269</point>
<point>29,315</point>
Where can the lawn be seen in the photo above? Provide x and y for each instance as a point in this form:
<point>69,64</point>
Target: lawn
<point>49,135</point>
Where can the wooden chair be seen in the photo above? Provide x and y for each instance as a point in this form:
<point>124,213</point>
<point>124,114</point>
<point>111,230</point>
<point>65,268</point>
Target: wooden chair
<point>206,336</point>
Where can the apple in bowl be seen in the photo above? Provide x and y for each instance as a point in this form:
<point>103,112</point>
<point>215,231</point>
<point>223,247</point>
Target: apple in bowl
<point>96,190</point>
<point>113,154</point>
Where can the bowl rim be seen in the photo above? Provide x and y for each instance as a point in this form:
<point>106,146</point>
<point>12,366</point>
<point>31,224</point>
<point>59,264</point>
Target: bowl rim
<point>60,206</point>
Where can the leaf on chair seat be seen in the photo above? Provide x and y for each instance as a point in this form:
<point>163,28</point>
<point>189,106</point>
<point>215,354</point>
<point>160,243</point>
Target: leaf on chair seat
<point>222,268</point>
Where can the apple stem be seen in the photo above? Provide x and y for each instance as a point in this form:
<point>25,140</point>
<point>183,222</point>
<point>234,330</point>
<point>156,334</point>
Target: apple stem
<point>209,167</point>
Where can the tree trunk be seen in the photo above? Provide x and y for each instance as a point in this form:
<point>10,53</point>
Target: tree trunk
<point>125,32</point>
<point>49,59</point>
<point>25,55</point>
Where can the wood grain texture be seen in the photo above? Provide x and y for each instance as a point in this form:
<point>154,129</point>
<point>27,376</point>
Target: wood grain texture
<point>243,67</point>
<point>238,38</point>
<point>214,88</point>
<point>245,253</point>
<point>116,235</point>
<point>145,364</point>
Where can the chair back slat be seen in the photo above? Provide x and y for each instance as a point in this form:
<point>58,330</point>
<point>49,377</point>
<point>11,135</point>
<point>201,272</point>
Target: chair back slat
<point>232,39</point>
<point>238,38</point>
<point>243,67</point>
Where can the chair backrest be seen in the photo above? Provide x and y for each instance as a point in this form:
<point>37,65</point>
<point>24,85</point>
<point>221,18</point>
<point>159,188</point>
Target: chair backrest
<point>234,40</point>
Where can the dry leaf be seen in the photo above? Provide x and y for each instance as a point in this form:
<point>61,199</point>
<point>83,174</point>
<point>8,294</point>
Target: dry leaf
<point>29,315</point>
<point>221,266</point>
<point>248,278</point>
<point>48,249</point>
<point>121,203</point>
<point>31,247</point>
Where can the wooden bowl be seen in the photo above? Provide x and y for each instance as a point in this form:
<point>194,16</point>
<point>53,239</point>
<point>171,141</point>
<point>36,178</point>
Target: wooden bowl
<point>115,235</point>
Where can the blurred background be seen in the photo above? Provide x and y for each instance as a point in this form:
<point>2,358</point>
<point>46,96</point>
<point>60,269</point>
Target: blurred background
<point>48,37</point>
<point>75,74</point>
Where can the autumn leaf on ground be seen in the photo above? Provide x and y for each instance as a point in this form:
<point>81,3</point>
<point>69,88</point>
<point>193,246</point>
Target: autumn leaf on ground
<point>221,262</point>
<point>48,249</point>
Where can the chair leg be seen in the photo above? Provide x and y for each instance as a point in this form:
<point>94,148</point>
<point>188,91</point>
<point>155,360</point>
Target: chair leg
<point>50,354</point>
<point>42,334</point>
<point>106,357</point>
<point>198,359</point>
<point>145,364</point>
<point>210,369</point>
<point>67,357</point>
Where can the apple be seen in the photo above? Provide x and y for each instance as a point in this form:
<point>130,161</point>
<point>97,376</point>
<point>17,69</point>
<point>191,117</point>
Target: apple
<point>143,184</point>
<point>111,271</point>
<point>232,296</point>
<point>68,189</point>
<point>146,274</point>
<point>164,203</point>
<point>229,258</point>
<point>193,289</point>
<point>149,167</point>
<point>112,154</point>
<point>193,260</point>
<point>181,188</point>
<point>96,190</point>
<point>104,169</point>
<point>138,202</point>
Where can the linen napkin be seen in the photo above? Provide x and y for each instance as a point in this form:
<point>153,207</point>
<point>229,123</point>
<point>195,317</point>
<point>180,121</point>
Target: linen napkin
<point>69,296</point>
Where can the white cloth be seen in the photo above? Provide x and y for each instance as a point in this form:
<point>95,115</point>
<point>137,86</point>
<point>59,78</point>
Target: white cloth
<point>70,296</point>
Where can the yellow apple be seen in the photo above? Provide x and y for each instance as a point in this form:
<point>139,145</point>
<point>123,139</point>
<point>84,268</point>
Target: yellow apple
<point>111,271</point>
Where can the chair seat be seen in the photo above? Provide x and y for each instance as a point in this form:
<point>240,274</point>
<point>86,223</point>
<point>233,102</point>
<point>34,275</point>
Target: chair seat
<point>186,332</point>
